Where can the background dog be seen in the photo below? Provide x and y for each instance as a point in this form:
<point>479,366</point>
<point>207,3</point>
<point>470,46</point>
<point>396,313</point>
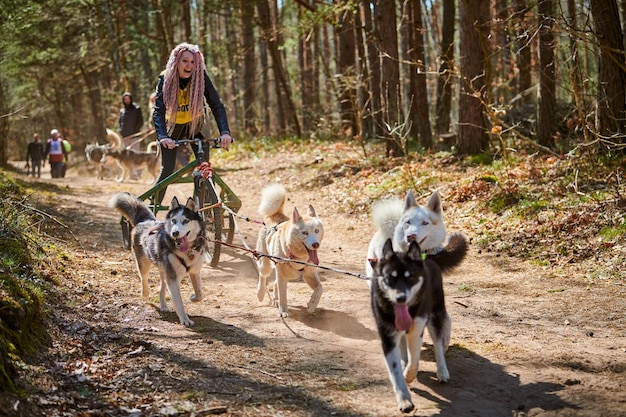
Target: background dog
<point>405,222</point>
<point>297,237</point>
<point>406,296</point>
<point>96,155</point>
<point>176,246</point>
<point>130,160</point>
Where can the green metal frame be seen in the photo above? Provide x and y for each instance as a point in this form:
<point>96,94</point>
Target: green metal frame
<point>228,197</point>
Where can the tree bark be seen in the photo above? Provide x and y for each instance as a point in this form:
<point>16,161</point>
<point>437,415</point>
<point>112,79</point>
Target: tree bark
<point>611,98</point>
<point>249,68</point>
<point>444,84</point>
<point>305,62</point>
<point>547,83</point>
<point>418,78</point>
<point>385,14</point>
<point>375,113</point>
<point>522,46</point>
<point>473,17</point>
<point>284,99</point>
<point>347,71</point>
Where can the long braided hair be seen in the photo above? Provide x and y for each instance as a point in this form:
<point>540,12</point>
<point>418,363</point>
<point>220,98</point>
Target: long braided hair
<point>196,87</point>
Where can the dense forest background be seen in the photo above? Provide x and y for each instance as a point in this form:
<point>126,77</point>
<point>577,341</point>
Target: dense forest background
<point>474,74</point>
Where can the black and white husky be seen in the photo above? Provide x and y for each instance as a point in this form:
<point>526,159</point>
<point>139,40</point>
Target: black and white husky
<point>176,246</point>
<point>407,296</point>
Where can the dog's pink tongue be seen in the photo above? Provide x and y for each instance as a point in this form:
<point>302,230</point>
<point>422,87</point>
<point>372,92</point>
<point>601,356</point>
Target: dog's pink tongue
<point>403,319</point>
<point>183,244</point>
<point>313,256</point>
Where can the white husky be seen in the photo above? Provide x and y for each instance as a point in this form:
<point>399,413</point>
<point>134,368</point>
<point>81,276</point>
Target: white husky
<point>296,237</point>
<point>404,222</point>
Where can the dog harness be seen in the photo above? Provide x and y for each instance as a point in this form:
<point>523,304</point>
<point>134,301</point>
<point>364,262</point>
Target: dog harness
<point>291,255</point>
<point>197,247</point>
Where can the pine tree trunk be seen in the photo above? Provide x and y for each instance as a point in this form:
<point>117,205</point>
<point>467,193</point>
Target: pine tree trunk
<point>444,85</point>
<point>347,69</point>
<point>385,14</point>
<point>611,99</point>
<point>473,18</point>
<point>375,113</point>
<point>547,84</point>
<point>249,68</point>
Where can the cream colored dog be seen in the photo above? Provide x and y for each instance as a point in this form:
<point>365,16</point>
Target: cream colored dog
<point>296,237</point>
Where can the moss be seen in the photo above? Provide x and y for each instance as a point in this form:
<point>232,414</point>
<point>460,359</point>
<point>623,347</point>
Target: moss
<point>22,289</point>
<point>613,232</point>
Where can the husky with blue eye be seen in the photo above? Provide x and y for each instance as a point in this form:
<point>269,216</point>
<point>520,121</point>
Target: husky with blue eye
<point>176,246</point>
<point>407,296</point>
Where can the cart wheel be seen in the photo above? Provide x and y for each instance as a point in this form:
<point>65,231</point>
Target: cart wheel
<point>213,222</point>
<point>228,230</point>
<point>126,228</point>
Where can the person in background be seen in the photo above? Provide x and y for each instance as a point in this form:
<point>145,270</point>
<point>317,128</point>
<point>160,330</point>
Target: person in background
<point>181,90</point>
<point>55,152</point>
<point>67,146</point>
<point>34,155</point>
<point>130,122</point>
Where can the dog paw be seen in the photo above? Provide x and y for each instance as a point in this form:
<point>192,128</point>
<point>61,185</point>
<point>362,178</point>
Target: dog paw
<point>195,299</point>
<point>282,313</point>
<point>405,405</point>
<point>186,321</point>
<point>443,375</point>
<point>312,305</point>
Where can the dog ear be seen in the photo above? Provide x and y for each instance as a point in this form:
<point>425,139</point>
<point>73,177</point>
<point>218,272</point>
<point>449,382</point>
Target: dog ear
<point>295,216</point>
<point>409,200</point>
<point>191,205</point>
<point>414,252</point>
<point>388,250</point>
<point>174,204</point>
<point>434,204</point>
<point>311,211</point>
<point>373,262</point>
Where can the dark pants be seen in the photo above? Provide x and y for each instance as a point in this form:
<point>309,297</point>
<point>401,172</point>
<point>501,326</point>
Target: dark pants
<point>168,165</point>
<point>56,169</point>
<point>35,165</point>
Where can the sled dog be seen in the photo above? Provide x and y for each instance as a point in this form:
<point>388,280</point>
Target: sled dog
<point>406,296</point>
<point>113,139</point>
<point>176,246</point>
<point>96,155</point>
<point>405,222</point>
<point>130,160</point>
<point>296,237</point>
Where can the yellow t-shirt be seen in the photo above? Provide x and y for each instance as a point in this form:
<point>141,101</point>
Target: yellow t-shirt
<point>183,116</point>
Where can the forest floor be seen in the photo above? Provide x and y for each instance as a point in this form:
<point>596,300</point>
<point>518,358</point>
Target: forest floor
<point>529,338</point>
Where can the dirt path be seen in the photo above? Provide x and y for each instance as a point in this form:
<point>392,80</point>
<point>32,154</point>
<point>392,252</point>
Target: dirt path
<point>525,341</point>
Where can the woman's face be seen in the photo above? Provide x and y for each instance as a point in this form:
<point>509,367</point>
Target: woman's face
<point>186,64</point>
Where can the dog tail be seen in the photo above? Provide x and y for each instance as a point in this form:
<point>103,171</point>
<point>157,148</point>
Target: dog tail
<point>134,210</point>
<point>114,139</point>
<point>452,254</point>
<point>386,215</point>
<point>273,199</point>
